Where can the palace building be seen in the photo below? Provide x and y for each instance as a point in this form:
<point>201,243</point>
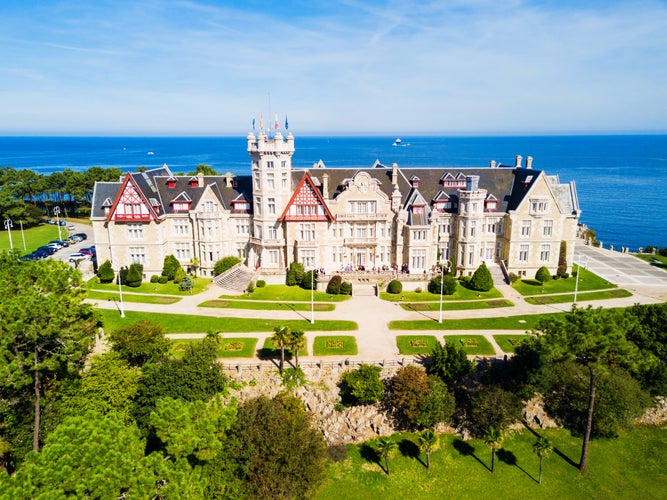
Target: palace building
<point>337,219</point>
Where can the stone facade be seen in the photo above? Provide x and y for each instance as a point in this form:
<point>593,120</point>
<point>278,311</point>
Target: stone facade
<point>411,219</point>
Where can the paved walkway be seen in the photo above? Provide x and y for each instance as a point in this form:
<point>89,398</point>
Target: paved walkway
<point>376,342</point>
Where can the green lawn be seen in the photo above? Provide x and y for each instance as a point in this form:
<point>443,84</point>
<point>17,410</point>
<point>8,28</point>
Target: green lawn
<point>186,323</point>
<point>228,348</point>
<point>461,293</point>
<point>269,350</point>
<point>147,287</point>
<point>130,297</point>
<point>520,322</point>
<point>35,237</point>
<point>473,345</point>
<point>656,260</point>
<point>415,344</point>
<point>615,293</point>
<point>587,281</point>
<point>631,466</point>
<point>286,293</point>
<point>265,305</point>
<point>338,345</point>
<point>508,343</point>
<point>456,306</point>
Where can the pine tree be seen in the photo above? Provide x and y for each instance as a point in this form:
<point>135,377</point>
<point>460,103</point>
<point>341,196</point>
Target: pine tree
<point>482,279</point>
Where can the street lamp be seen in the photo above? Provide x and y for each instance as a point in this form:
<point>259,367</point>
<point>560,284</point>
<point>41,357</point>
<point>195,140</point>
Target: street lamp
<point>576,281</point>
<point>312,295</point>
<point>120,291</point>
<point>442,284</point>
<point>8,226</point>
<point>25,248</point>
<point>56,212</point>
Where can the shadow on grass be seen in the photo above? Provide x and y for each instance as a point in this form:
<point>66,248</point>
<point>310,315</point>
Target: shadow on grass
<point>467,450</point>
<point>371,455</point>
<point>555,448</point>
<point>410,449</point>
<point>509,458</point>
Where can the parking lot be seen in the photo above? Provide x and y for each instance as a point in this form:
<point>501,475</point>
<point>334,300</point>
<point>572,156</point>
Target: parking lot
<point>619,268</point>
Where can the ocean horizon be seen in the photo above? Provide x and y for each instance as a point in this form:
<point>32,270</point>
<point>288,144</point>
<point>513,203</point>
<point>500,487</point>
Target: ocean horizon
<point>620,179</point>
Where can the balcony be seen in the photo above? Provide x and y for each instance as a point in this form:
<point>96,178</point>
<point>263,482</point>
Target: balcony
<point>364,217</point>
<point>360,242</point>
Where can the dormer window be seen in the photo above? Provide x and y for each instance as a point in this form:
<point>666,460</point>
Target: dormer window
<point>491,205</point>
<point>181,203</point>
<point>193,182</point>
<point>418,210</point>
<point>414,181</point>
<point>171,183</point>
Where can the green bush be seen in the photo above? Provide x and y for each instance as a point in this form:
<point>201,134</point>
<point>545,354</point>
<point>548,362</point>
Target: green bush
<point>309,280</point>
<point>106,273</point>
<point>293,378</point>
<point>133,277</point>
<point>361,386</point>
<point>179,275</point>
<point>394,287</point>
<point>169,267</point>
<point>251,287</point>
<point>261,283</point>
<point>224,264</point>
<point>543,275</point>
<point>186,284</point>
<point>154,278</point>
<point>482,280</point>
<point>333,288</point>
<point>562,259</point>
<point>162,279</point>
<point>448,285</point>
<point>295,274</point>
<point>346,288</point>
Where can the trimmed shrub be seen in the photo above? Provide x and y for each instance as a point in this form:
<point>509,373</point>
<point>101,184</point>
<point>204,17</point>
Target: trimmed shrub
<point>543,275</point>
<point>162,280</point>
<point>106,273</point>
<point>562,259</point>
<point>361,386</point>
<point>133,277</point>
<point>394,287</point>
<point>186,284</point>
<point>514,278</point>
<point>418,290</point>
<point>179,275</point>
<point>566,276</point>
<point>448,285</point>
<point>224,264</point>
<point>261,283</point>
<point>482,280</point>
<point>346,288</point>
<point>251,287</point>
<point>333,288</point>
<point>295,274</point>
<point>154,278</point>
<point>170,266</point>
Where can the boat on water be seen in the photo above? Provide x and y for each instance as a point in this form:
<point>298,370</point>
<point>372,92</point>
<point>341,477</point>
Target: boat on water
<point>150,153</point>
<point>399,142</point>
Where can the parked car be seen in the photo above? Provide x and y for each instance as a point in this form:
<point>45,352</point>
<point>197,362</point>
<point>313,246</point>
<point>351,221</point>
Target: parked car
<point>30,256</point>
<point>71,227</point>
<point>73,257</point>
<point>88,250</point>
<point>82,236</point>
<point>45,251</point>
<point>63,223</point>
<point>64,243</point>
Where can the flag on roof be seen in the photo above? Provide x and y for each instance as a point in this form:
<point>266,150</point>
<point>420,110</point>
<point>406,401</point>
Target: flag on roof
<point>276,125</point>
<point>286,124</point>
<point>261,122</point>
<point>253,123</point>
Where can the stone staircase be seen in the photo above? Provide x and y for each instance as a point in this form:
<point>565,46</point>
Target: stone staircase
<point>496,274</point>
<point>235,279</point>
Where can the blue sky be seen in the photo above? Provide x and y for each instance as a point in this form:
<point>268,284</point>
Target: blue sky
<point>168,67</point>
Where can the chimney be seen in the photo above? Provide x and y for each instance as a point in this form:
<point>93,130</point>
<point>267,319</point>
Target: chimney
<point>394,173</point>
<point>518,161</point>
<point>529,162</point>
<point>472,182</point>
<point>492,164</point>
<point>325,186</point>
<point>200,179</point>
<point>229,177</point>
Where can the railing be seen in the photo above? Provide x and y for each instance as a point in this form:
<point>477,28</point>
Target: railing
<point>503,268</point>
<point>347,363</point>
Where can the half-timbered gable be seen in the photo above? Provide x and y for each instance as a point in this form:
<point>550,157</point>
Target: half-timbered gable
<point>131,204</point>
<point>306,204</point>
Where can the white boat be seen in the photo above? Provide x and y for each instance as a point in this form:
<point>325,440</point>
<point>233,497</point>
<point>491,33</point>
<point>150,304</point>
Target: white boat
<point>399,142</point>
<point>150,153</point>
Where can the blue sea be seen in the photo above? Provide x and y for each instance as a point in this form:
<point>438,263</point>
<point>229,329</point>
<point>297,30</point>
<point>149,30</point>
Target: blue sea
<point>621,179</point>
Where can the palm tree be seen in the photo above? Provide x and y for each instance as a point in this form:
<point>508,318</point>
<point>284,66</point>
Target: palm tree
<point>214,335</point>
<point>297,340</point>
<point>542,447</point>
<point>194,263</point>
<point>280,339</point>
<point>493,438</point>
<point>386,449</point>
<point>428,441</point>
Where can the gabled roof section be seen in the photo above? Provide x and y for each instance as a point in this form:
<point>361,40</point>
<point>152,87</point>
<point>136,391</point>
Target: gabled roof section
<point>378,164</point>
<point>417,208</point>
<point>130,190</point>
<point>306,194</point>
<point>182,196</point>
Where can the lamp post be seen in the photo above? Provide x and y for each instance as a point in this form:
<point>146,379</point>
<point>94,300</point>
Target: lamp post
<point>576,281</point>
<point>120,291</point>
<point>25,248</point>
<point>442,284</point>
<point>8,226</point>
<point>56,212</point>
<point>312,295</point>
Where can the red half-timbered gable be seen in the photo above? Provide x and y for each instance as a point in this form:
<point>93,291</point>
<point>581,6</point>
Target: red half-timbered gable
<point>306,204</point>
<point>130,205</point>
